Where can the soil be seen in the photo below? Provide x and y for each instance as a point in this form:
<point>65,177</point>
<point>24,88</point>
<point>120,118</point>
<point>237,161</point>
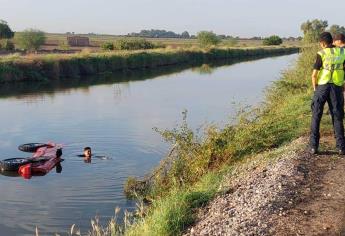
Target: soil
<point>297,194</point>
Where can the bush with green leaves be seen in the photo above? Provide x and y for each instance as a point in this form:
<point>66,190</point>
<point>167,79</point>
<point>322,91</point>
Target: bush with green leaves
<point>207,39</point>
<point>30,39</point>
<point>133,44</point>
<point>107,46</point>
<point>272,40</point>
<point>5,30</point>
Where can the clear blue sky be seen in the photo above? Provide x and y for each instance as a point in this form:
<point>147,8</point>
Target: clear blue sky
<point>232,17</point>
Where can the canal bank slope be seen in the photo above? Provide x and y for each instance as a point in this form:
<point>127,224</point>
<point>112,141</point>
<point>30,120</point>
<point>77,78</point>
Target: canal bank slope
<point>251,178</point>
<point>283,192</point>
<point>57,66</point>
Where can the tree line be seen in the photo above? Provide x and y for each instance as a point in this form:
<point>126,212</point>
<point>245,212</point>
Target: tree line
<point>313,28</point>
<point>156,33</point>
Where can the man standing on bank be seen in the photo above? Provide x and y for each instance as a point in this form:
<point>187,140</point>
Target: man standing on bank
<point>328,82</point>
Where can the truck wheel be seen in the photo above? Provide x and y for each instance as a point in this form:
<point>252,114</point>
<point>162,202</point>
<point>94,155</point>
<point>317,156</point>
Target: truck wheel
<point>32,147</point>
<point>13,164</point>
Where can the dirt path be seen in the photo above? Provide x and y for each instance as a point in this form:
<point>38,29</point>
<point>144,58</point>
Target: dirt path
<point>297,194</point>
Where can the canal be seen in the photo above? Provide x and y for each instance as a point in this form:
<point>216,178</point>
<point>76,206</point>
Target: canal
<point>115,119</point>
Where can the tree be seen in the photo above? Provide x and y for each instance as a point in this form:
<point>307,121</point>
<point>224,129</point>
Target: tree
<point>185,35</point>
<point>313,29</point>
<point>5,30</point>
<point>272,40</point>
<point>336,29</point>
<point>207,38</point>
<point>30,39</point>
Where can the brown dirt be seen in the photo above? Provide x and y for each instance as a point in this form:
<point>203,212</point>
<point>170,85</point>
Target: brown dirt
<point>296,194</point>
<point>322,209</point>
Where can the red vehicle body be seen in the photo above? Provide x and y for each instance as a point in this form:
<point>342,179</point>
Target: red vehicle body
<point>46,158</point>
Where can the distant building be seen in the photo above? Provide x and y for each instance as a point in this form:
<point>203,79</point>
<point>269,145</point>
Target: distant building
<point>78,41</point>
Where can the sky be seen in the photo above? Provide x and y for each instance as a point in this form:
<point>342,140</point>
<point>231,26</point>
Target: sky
<point>244,18</point>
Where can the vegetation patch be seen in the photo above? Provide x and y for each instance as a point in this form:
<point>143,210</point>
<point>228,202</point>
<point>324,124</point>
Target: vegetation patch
<point>272,40</point>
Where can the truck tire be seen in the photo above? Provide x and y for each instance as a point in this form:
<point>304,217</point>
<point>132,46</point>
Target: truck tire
<point>32,147</point>
<point>13,164</point>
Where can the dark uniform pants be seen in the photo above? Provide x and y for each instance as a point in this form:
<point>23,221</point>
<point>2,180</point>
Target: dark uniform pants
<point>334,96</point>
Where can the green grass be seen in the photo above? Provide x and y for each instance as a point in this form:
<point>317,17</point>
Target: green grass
<point>194,175</point>
<point>171,214</point>
<point>55,66</point>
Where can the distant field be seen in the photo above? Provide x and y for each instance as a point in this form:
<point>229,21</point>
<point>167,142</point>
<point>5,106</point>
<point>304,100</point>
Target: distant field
<point>54,41</point>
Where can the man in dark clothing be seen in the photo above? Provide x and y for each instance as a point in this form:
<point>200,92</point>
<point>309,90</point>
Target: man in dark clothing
<point>328,81</point>
<point>338,41</point>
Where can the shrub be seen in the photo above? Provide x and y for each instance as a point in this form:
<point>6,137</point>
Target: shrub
<point>30,39</point>
<point>108,46</point>
<point>272,40</point>
<point>133,44</point>
<point>207,38</point>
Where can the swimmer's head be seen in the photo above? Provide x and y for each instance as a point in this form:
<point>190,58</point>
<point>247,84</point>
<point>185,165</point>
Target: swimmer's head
<point>87,152</point>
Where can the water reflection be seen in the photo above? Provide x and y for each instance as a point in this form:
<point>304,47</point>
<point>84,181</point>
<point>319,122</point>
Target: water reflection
<point>204,69</point>
<point>58,169</point>
<point>39,90</point>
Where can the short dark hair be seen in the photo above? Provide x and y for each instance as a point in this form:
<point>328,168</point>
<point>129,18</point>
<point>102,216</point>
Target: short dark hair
<point>340,37</point>
<point>87,148</point>
<point>326,37</point>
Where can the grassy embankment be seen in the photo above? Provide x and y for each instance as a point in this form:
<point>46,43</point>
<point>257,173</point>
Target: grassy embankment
<point>55,66</point>
<point>194,175</point>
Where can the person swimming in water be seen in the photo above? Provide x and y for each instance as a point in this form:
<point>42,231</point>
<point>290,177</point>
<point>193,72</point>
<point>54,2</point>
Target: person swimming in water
<point>87,154</point>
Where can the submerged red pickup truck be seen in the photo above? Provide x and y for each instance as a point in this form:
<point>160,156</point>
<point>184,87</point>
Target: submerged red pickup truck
<point>45,157</point>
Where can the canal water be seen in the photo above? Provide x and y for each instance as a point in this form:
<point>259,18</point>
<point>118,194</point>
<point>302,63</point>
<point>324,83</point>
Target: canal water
<point>116,120</point>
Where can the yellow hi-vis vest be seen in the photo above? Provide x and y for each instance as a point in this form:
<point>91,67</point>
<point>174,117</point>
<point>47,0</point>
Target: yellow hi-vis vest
<point>332,70</point>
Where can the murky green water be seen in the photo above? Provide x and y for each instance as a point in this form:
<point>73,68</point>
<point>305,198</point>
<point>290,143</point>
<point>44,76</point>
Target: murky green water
<point>116,120</point>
